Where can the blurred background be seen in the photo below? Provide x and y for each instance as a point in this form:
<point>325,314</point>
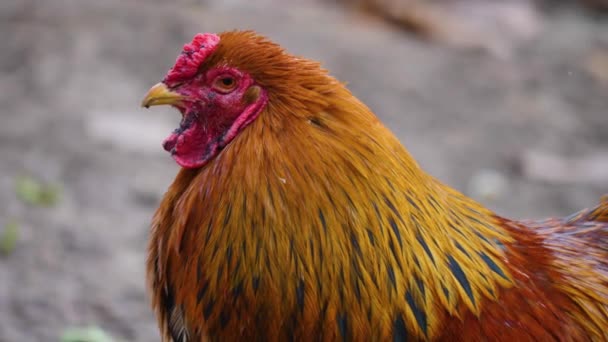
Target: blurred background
<point>505,100</point>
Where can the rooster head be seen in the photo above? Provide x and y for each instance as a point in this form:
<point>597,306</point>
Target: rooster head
<point>216,95</point>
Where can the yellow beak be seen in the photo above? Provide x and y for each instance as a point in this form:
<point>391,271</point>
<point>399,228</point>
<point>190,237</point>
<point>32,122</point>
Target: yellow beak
<point>159,94</point>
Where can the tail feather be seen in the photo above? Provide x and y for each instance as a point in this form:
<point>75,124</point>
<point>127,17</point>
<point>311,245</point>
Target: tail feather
<point>579,246</point>
<point>598,214</point>
<point>589,227</point>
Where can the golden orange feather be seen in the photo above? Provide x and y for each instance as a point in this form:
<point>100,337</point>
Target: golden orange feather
<point>315,223</point>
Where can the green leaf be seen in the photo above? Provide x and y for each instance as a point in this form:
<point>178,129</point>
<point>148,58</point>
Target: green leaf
<point>8,238</point>
<point>28,190</point>
<point>50,195</point>
<point>88,334</point>
<point>31,191</point>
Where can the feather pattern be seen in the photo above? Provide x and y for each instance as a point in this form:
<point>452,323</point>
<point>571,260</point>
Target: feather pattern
<point>316,224</point>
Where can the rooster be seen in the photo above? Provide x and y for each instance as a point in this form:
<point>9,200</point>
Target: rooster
<point>297,215</point>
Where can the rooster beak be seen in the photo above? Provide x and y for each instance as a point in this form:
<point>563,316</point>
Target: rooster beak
<point>159,94</point>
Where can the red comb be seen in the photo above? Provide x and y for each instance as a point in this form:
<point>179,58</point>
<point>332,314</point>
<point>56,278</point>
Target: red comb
<point>192,56</point>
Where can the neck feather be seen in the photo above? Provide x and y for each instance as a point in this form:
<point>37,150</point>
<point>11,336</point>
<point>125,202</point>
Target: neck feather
<point>331,194</point>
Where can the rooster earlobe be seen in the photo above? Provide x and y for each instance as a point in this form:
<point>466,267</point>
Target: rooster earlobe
<point>252,94</point>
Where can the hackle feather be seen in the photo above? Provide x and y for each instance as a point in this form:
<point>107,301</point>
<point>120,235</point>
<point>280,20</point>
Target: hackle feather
<point>316,224</point>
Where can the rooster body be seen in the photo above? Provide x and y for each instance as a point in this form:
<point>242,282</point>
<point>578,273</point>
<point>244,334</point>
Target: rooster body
<point>306,219</point>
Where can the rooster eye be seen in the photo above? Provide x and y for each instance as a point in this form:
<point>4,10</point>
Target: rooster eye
<point>225,83</point>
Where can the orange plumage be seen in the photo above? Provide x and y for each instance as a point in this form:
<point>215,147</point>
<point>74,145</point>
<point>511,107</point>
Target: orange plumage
<point>310,221</point>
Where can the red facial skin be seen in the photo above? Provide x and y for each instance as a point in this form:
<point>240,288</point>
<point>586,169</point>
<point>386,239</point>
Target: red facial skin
<point>212,114</point>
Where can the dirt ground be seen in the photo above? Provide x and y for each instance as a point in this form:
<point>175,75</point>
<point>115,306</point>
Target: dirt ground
<point>73,72</point>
